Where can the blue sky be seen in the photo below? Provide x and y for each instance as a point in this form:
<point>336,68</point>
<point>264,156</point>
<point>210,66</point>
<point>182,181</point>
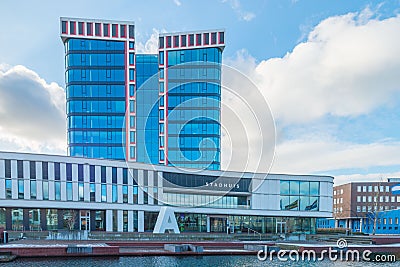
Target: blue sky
<point>327,68</point>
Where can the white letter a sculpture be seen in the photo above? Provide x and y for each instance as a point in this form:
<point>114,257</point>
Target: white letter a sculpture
<point>166,221</point>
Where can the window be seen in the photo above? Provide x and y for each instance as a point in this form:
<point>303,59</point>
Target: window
<point>69,191</point>
<point>89,30</point>
<point>69,171</point>
<point>32,169</point>
<point>364,199</point>
<point>103,174</point>
<point>114,175</point>
<point>92,172</point>
<point>20,169</point>
<point>213,38</point>
<point>45,171</point>
<point>369,198</point>
<point>64,27</point>
<point>386,198</point>
<point>72,29</point>
<point>381,188</point>
<point>131,58</point>
<point>221,38</point>
<point>80,28</point>
<point>334,201</point>
<point>131,31</point>
<point>358,198</point>
<point>206,38</point>
<point>364,188</point>
<point>198,39</point>
<point>33,189</point>
<point>191,39</point>
<point>115,30</point>
<point>97,29</point>
<point>123,31</point>
<point>57,174</point>
<point>161,42</point>
<point>334,193</point>
<point>8,189</point>
<point>393,199</point>
<point>370,188</point>
<point>168,41</point>
<point>358,209</point>
<point>80,172</point>
<point>183,40</point>
<point>387,189</point>
<point>176,41</point>
<point>358,188</point>
<point>364,209</point>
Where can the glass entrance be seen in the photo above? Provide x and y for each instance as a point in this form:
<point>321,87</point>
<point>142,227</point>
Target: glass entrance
<point>281,227</point>
<point>217,224</point>
<point>85,219</point>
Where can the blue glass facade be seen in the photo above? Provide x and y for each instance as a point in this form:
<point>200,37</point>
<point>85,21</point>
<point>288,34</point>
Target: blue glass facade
<point>153,108</point>
<point>147,108</point>
<point>194,95</point>
<point>95,91</point>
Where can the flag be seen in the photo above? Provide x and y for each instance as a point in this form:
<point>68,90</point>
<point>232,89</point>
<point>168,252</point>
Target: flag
<point>293,205</point>
<point>314,205</point>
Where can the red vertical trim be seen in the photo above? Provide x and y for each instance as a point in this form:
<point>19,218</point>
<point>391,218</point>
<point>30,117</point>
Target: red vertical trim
<point>127,133</point>
<point>166,106</point>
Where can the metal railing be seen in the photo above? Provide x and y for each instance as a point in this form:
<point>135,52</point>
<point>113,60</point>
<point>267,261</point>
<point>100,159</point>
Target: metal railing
<point>249,230</point>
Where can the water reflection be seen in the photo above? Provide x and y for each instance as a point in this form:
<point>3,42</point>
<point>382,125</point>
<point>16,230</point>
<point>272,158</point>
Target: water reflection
<point>204,261</point>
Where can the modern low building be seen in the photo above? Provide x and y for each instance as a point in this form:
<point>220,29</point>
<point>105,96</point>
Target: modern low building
<point>161,108</point>
<point>355,204</point>
<point>48,192</point>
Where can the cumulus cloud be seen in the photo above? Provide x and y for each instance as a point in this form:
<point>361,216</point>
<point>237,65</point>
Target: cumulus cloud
<point>310,156</point>
<point>240,12</point>
<point>32,112</point>
<point>151,45</point>
<point>348,66</point>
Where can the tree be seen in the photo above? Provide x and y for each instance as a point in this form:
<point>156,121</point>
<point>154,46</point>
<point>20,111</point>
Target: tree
<point>70,219</point>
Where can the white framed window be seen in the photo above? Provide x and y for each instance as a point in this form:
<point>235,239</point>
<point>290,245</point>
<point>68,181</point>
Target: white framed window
<point>334,193</point>
<point>398,198</point>
<point>364,188</point>
<point>387,189</point>
<point>364,199</point>
<point>341,200</point>
<point>370,188</point>
<point>381,188</point>
<point>358,209</point>
<point>358,198</point>
<point>334,201</point>
<point>358,188</point>
<point>364,208</point>
<point>386,198</point>
<point>375,188</point>
<point>369,198</point>
<point>393,199</point>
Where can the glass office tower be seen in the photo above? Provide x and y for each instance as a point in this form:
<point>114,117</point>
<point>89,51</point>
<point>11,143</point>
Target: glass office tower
<point>159,109</point>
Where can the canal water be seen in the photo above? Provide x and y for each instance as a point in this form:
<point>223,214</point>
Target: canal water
<point>184,261</point>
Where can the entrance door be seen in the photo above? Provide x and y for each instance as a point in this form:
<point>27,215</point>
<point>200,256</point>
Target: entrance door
<point>85,219</point>
<point>281,227</point>
<point>217,224</point>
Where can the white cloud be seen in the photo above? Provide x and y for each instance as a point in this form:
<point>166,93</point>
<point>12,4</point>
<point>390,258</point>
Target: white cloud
<point>348,66</point>
<point>151,45</point>
<point>177,2</point>
<point>32,112</point>
<point>305,155</point>
<point>375,177</point>
<point>237,7</point>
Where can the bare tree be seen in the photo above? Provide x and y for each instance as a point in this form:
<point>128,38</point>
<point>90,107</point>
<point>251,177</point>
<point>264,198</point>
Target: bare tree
<point>70,218</point>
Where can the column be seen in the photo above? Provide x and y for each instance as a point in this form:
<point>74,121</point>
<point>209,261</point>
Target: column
<point>109,220</point>
<point>140,221</point>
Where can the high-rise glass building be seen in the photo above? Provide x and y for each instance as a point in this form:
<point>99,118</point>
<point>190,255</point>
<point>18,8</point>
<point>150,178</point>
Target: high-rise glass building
<point>154,108</point>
